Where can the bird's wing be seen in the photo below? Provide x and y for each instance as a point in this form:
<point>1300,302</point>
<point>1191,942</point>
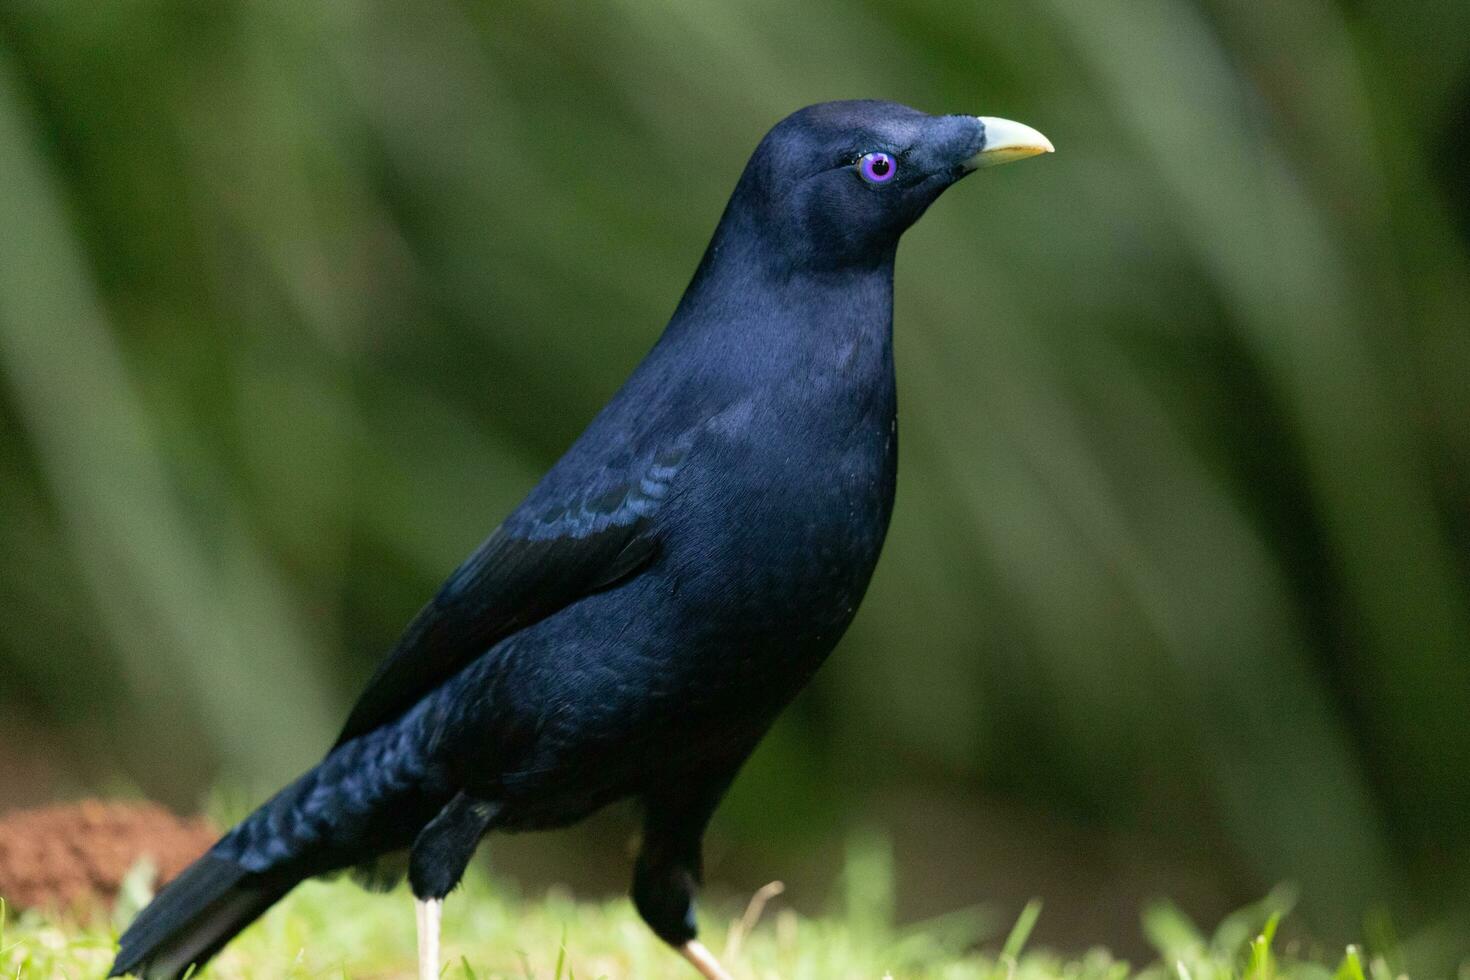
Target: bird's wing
<point>555,549</point>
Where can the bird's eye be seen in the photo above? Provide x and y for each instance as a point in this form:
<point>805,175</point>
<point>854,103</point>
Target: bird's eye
<point>877,168</point>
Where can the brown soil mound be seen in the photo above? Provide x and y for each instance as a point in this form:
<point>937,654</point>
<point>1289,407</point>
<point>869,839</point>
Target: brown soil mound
<point>74,856</point>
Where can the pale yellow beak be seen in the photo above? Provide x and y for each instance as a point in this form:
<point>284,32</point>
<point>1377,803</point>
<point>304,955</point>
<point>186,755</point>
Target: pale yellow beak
<point>1007,141</point>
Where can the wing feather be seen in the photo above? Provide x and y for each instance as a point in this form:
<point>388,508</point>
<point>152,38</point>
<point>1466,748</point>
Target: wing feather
<point>570,538</point>
<point>541,560</point>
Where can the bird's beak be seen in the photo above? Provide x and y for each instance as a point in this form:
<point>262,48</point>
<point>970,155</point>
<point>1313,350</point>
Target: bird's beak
<point>1006,141</point>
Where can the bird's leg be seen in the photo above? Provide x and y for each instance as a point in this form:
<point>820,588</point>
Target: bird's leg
<point>668,870</point>
<point>429,911</point>
<point>704,961</point>
<point>436,863</point>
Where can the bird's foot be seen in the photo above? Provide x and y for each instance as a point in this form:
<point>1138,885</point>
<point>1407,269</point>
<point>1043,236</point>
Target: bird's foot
<point>429,912</point>
<point>704,961</point>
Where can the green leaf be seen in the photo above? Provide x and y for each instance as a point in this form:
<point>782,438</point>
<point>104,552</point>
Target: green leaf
<point>1169,930</point>
<point>1352,966</point>
<point>1021,931</point>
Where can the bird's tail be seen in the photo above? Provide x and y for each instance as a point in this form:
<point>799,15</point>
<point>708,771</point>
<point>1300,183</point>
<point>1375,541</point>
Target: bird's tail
<point>364,800</point>
<point>193,916</point>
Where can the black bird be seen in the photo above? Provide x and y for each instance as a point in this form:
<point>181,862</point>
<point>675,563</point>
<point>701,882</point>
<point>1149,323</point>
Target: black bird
<point>636,624</point>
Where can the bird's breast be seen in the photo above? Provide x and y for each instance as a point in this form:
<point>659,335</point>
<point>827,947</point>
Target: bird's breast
<point>800,511</point>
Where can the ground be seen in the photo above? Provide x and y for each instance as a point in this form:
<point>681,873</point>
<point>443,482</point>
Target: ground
<point>335,930</point>
<point>74,855</point>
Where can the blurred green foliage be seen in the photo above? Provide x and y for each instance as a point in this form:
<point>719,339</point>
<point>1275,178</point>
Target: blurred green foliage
<point>296,300</point>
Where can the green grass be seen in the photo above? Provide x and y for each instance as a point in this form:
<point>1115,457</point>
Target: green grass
<point>335,930</point>
<point>1186,433</point>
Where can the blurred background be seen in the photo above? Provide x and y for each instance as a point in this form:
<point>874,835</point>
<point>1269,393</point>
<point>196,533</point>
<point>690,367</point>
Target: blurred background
<point>297,300</point>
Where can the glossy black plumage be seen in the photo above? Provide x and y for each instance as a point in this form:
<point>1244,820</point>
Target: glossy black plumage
<point>635,625</point>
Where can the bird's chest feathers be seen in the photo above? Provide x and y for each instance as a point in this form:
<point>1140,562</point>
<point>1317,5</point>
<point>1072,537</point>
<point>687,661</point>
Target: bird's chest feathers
<point>812,494</point>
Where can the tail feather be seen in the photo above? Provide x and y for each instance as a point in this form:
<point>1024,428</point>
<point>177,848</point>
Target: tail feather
<point>365,800</point>
<point>193,916</point>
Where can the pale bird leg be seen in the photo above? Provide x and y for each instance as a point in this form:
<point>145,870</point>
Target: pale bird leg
<point>704,961</point>
<point>429,913</point>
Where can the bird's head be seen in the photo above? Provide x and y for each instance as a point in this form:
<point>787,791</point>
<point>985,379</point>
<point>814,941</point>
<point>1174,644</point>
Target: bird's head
<point>836,184</point>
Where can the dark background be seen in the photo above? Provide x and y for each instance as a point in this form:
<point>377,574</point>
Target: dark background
<point>296,300</point>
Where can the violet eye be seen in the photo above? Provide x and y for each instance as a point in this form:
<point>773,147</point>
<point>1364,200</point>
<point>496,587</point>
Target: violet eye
<point>877,168</point>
